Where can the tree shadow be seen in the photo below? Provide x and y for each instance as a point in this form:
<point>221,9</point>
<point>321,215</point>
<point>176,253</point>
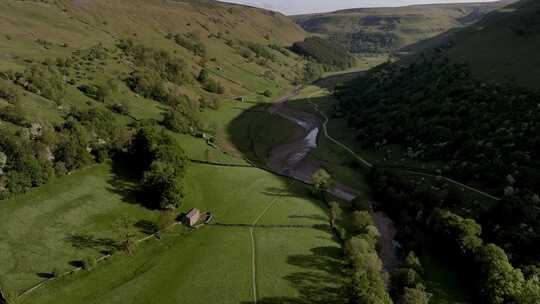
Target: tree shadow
<point>147,227</point>
<point>76,263</point>
<point>309,217</point>
<point>44,275</point>
<point>124,179</point>
<point>321,275</point>
<point>84,241</point>
<point>320,281</point>
<point>279,192</point>
<point>125,182</point>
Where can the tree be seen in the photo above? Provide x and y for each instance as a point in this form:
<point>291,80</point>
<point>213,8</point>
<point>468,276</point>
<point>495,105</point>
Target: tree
<point>162,186</point>
<point>3,161</point>
<point>203,76</point>
<point>334,211</point>
<point>416,295</point>
<point>501,282</point>
<point>322,181</point>
<point>267,93</point>
<point>126,234</point>
<point>360,220</point>
<point>413,262</point>
<point>361,204</point>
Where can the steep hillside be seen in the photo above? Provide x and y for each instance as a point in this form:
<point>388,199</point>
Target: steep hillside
<point>471,107</point>
<point>124,61</point>
<point>384,30</point>
<point>502,47</point>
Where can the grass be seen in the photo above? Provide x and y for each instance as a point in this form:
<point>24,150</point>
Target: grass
<point>89,201</point>
<point>62,222</point>
<point>218,257</point>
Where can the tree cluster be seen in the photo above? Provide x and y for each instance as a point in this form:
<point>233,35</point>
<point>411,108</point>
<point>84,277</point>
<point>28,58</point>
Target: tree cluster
<point>33,155</point>
<point>366,285</point>
<point>157,63</point>
<point>415,207</point>
<point>162,163</point>
<point>190,42</point>
<point>330,55</point>
<point>407,282</point>
<point>486,134</point>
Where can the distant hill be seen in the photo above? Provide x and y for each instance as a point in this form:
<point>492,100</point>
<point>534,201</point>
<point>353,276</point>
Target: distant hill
<point>385,30</point>
<point>504,46</point>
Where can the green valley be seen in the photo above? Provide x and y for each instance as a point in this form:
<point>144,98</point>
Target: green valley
<point>200,151</point>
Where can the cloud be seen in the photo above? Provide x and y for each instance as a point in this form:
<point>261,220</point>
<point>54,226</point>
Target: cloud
<point>294,7</point>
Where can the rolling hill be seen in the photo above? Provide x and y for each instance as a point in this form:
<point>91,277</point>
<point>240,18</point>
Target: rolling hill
<point>502,46</point>
<point>386,30</point>
<point>131,61</point>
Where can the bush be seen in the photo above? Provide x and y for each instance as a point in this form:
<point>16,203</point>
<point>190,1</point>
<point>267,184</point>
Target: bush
<point>213,86</point>
<point>148,84</point>
<point>162,64</point>
<point>88,263</point>
<point>182,120</point>
<point>267,93</point>
<point>192,43</point>
<point>56,273</point>
<point>8,92</point>
<point>44,81</point>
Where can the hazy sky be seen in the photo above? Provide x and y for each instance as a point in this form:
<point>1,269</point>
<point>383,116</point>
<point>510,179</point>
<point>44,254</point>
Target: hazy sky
<point>293,7</point>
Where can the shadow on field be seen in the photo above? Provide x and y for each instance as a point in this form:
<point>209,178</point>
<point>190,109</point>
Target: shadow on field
<point>124,181</point>
<point>309,217</point>
<point>320,281</point>
<point>85,241</point>
<point>254,133</point>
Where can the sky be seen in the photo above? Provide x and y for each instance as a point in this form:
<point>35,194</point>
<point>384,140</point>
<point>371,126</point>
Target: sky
<point>295,7</point>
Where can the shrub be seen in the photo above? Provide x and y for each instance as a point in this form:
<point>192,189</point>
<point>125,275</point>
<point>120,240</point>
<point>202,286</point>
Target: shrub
<point>192,43</point>
<point>44,81</point>
<point>8,92</point>
<point>183,119</point>
<point>148,84</point>
<point>213,86</point>
<point>267,93</point>
<point>88,263</point>
<point>56,273</point>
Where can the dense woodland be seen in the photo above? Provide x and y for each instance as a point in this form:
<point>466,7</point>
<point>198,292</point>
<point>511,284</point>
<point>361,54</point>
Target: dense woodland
<point>483,134</point>
<point>330,55</point>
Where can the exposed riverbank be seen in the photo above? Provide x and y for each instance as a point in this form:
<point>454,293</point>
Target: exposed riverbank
<point>291,159</point>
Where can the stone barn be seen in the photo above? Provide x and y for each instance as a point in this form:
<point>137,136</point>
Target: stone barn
<point>192,217</point>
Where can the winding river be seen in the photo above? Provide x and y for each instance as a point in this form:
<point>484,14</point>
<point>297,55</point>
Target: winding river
<point>291,159</point>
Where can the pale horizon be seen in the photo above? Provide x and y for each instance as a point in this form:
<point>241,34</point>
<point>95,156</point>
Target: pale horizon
<point>298,7</point>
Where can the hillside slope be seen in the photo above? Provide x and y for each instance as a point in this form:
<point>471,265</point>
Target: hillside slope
<point>469,106</point>
<point>106,64</point>
<point>503,47</point>
<point>384,30</point>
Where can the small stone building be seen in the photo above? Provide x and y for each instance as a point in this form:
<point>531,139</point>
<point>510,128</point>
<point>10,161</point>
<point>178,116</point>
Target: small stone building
<point>192,217</point>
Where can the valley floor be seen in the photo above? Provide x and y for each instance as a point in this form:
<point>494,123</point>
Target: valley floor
<point>289,256</point>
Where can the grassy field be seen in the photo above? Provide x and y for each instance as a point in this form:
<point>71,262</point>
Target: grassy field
<point>87,203</point>
<point>62,222</point>
<point>217,256</point>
